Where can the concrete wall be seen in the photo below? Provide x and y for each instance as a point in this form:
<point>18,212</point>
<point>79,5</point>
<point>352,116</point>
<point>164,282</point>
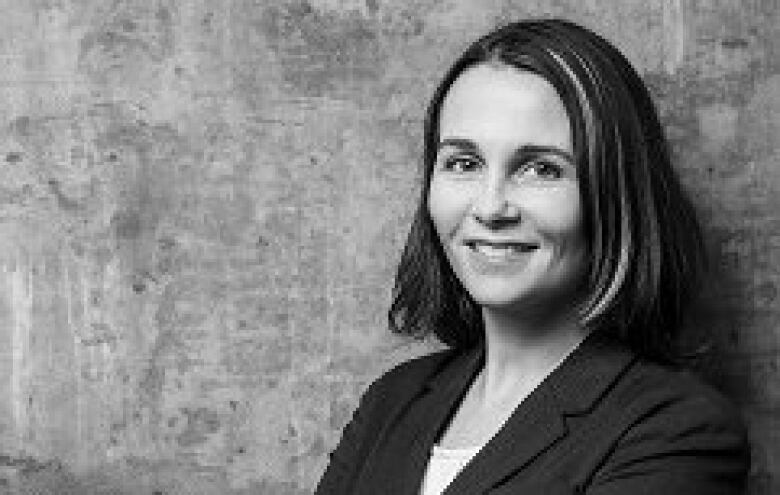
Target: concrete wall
<point>203,203</point>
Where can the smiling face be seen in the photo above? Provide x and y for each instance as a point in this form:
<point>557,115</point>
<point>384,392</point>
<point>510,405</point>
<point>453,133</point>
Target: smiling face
<point>504,196</point>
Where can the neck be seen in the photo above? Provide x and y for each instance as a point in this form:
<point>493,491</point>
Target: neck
<point>521,352</point>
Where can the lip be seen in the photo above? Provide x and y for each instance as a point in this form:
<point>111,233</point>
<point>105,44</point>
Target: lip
<point>511,263</point>
<point>525,245</point>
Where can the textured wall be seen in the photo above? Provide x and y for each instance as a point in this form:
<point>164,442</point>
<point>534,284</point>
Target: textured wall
<point>203,203</point>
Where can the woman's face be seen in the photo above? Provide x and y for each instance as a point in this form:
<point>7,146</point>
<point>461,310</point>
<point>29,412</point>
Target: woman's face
<point>504,196</point>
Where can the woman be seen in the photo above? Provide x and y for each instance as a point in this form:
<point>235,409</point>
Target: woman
<point>554,252</point>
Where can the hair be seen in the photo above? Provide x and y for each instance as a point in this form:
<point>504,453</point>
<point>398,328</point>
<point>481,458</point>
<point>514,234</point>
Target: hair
<point>645,244</point>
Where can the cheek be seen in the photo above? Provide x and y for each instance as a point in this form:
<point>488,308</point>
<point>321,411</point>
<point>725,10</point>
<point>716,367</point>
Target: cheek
<point>558,218</point>
<point>446,205</point>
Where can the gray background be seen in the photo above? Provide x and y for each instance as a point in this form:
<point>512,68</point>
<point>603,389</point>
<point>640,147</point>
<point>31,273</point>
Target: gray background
<point>203,203</point>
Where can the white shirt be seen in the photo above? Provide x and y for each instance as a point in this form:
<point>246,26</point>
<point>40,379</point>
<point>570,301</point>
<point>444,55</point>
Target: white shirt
<point>443,466</point>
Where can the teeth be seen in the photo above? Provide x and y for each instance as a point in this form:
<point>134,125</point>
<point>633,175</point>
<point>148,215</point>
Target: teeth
<point>501,250</point>
<point>494,251</point>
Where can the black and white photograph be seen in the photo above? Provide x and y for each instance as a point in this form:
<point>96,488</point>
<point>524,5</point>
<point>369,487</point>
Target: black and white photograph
<point>374,247</point>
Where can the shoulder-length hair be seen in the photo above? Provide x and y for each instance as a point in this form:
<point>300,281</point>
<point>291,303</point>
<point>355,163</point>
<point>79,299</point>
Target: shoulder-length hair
<point>645,244</point>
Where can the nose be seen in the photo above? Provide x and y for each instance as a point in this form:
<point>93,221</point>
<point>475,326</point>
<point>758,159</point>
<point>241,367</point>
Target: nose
<point>491,206</point>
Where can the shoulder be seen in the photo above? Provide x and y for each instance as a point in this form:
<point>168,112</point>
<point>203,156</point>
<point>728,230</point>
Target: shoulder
<point>673,422</point>
<point>406,375</point>
<point>400,384</point>
<point>677,394</point>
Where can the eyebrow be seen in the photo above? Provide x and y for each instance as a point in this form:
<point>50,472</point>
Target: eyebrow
<point>526,149</point>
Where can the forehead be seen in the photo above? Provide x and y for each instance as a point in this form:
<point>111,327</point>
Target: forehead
<point>496,104</point>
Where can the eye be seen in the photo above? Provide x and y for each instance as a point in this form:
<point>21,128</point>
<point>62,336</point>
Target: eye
<point>461,163</point>
<point>542,168</point>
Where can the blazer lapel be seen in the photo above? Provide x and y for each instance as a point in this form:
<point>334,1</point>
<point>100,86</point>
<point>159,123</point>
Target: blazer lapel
<point>397,463</point>
<point>534,426</point>
<point>540,420</point>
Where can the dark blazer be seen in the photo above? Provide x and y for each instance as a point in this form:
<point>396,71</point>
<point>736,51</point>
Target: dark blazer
<point>605,422</point>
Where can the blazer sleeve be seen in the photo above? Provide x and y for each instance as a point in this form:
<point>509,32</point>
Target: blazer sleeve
<point>681,447</point>
<point>356,439</point>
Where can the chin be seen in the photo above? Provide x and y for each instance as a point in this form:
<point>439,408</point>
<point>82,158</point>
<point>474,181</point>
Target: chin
<point>500,297</point>
<point>523,299</point>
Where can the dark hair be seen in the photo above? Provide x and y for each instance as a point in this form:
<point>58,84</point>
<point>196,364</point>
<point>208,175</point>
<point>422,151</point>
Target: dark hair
<point>645,244</point>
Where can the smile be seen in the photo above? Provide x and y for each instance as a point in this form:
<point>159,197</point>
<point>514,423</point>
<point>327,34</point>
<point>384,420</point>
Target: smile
<point>501,251</point>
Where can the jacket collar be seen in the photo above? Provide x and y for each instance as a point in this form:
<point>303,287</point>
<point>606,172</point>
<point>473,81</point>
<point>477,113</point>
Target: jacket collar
<point>576,384</point>
<point>572,388</point>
